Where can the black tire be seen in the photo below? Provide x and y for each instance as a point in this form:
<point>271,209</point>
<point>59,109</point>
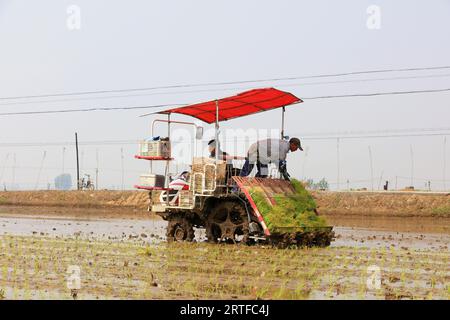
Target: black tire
<point>227,222</point>
<point>180,229</point>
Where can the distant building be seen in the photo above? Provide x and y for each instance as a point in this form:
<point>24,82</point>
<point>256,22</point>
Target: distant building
<point>63,182</point>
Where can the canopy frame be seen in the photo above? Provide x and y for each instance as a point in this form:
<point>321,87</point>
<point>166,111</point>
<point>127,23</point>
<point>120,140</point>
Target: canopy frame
<point>269,94</point>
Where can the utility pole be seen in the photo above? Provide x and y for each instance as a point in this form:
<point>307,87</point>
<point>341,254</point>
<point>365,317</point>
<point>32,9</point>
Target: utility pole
<point>82,162</point>
<point>4,166</point>
<point>96,170</point>
<point>444,174</point>
<point>63,159</point>
<point>338,165</point>
<point>78,161</point>
<point>371,166</point>
<point>304,163</point>
<point>14,172</point>
<point>381,179</point>
<point>40,171</point>
<point>412,165</point>
<point>121,157</point>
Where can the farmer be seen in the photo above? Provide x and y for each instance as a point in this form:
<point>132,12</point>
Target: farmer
<point>212,151</point>
<point>231,171</point>
<point>222,154</point>
<point>268,151</point>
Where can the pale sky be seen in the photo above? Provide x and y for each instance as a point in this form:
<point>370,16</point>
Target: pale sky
<point>141,44</point>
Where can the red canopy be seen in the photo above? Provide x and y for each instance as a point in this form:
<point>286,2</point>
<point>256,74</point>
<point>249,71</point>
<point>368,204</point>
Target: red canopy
<point>240,105</point>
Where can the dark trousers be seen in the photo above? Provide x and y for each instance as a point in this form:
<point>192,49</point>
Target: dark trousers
<point>248,167</point>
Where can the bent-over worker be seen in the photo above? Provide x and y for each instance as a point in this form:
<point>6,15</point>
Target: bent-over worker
<point>268,151</point>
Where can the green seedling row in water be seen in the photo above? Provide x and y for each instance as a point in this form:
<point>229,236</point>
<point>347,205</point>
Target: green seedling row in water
<point>195,270</point>
<point>290,210</point>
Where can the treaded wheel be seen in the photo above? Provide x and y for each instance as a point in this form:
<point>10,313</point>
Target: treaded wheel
<point>319,238</point>
<point>227,222</point>
<point>179,229</point>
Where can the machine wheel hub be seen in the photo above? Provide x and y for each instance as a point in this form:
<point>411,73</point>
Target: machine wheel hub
<point>228,222</point>
<point>180,229</point>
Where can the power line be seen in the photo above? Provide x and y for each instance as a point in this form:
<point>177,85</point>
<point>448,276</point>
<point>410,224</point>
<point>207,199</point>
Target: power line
<point>224,83</point>
<point>422,179</point>
<point>367,132</point>
<point>178,104</point>
<point>133,142</point>
<point>377,94</point>
<point>377,136</point>
<point>58,169</point>
<point>222,89</point>
<point>89,109</point>
<point>69,143</point>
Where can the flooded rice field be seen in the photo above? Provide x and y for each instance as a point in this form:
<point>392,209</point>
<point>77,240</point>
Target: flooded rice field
<point>128,258</point>
<point>414,233</point>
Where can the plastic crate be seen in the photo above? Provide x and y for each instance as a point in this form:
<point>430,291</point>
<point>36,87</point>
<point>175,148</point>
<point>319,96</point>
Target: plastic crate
<point>155,149</point>
<point>152,180</point>
<point>186,198</point>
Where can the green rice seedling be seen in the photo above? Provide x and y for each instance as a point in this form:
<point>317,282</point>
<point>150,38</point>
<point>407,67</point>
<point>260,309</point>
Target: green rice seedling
<point>5,271</point>
<point>146,251</point>
<point>300,293</point>
<point>260,292</point>
<point>315,279</point>
<point>27,292</point>
<point>14,292</point>
<point>40,294</point>
<point>294,210</point>
<point>433,282</point>
<point>278,290</point>
<point>362,287</point>
<point>331,285</point>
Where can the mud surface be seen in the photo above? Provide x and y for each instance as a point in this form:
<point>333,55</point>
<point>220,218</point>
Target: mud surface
<point>38,268</point>
<point>396,224</point>
<point>100,224</point>
<point>128,258</point>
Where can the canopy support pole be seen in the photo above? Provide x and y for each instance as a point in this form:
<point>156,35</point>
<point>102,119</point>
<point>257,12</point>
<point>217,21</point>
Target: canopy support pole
<point>217,131</point>
<point>166,171</point>
<point>168,125</point>
<point>282,122</point>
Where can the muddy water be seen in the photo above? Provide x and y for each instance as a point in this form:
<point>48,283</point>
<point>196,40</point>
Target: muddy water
<point>406,232</point>
<point>416,233</point>
<point>398,224</point>
<point>362,237</point>
<point>115,229</point>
